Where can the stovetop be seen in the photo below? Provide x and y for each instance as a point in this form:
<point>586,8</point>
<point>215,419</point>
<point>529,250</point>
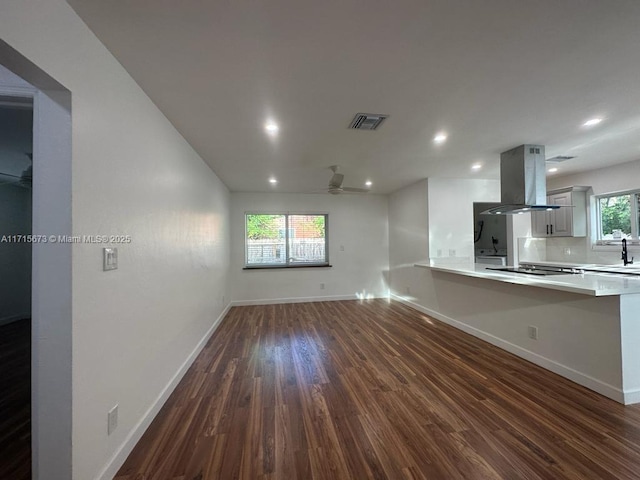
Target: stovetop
<point>529,271</point>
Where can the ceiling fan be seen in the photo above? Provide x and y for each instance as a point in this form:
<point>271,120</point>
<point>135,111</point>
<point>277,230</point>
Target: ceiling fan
<point>24,180</point>
<point>335,184</point>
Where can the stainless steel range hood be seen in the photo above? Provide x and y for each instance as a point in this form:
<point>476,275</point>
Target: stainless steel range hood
<point>523,183</point>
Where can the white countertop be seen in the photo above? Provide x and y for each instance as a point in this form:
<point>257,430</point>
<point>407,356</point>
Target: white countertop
<point>594,284</point>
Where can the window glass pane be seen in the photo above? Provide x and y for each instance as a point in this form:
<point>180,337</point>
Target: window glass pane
<point>307,239</point>
<point>615,217</point>
<point>266,239</point>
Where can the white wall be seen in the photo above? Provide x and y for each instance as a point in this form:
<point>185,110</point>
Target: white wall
<point>408,235</point>
<point>432,220</point>
<point>16,126</point>
<point>612,179</point>
<point>133,174</point>
<point>356,222</point>
<point>451,216</point>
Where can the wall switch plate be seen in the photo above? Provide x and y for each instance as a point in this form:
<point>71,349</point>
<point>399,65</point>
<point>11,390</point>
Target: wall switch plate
<point>112,420</point>
<point>109,259</point>
<point>533,332</point>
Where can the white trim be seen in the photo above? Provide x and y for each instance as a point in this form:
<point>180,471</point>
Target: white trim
<point>567,372</point>
<point>631,396</point>
<point>123,451</point>
<point>272,301</point>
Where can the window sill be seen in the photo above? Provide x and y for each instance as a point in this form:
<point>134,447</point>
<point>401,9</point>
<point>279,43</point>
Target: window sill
<point>271,267</point>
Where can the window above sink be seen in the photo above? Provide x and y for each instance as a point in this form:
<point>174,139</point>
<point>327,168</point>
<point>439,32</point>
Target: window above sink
<point>618,217</point>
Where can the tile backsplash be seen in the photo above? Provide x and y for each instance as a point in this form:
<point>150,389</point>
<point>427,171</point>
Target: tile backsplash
<point>565,249</point>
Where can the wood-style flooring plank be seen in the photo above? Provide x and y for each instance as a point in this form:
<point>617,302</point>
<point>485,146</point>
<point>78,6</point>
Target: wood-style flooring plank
<point>375,390</point>
<point>15,400</point>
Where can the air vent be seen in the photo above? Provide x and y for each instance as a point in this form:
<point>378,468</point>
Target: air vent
<point>367,121</point>
<point>559,158</point>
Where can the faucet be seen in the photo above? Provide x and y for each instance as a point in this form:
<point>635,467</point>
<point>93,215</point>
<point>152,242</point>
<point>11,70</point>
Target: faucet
<point>625,258</point>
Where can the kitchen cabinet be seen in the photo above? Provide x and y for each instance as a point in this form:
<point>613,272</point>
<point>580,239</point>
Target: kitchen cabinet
<point>568,221</point>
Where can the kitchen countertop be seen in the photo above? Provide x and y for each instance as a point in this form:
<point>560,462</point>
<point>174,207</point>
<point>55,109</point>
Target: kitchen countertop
<point>594,284</point>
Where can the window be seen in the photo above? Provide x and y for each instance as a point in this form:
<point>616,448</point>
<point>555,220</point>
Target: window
<point>285,240</point>
<point>618,217</point>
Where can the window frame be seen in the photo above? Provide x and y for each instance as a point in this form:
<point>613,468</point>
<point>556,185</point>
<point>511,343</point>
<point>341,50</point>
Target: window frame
<point>287,230</point>
<point>635,220</point>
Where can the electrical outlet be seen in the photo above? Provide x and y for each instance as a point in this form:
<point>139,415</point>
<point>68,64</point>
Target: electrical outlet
<point>223,300</point>
<point>408,290</point>
<point>439,252</point>
<point>567,250</point>
<point>533,332</point>
<point>112,420</point>
<point>322,286</point>
<point>452,252</point>
<point>342,248</point>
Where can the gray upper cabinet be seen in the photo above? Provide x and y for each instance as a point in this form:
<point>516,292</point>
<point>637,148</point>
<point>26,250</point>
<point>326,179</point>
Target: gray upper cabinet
<point>568,221</point>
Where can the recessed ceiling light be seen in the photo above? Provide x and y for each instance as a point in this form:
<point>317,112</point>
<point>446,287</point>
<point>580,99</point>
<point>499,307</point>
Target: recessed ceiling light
<point>476,166</point>
<point>552,170</point>
<point>271,127</point>
<point>273,181</point>
<point>592,122</point>
<point>440,138</point>
<point>368,183</point>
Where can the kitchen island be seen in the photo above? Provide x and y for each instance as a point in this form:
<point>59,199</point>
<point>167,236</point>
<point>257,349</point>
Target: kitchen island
<point>584,327</point>
<point>587,283</point>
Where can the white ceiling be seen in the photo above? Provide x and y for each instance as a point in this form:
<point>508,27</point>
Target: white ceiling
<point>493,74</point>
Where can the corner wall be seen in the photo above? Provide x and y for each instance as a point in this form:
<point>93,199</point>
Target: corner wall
<point>408,235</point>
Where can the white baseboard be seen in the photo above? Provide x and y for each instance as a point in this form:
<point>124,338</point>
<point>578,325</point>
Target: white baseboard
<point>631,397</point>
<point>567,372</point>
<point>121,454</point>
<point>271,301</point>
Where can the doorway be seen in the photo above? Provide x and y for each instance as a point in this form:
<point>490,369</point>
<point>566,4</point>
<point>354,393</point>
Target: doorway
<point>16,174</point>
<point>51,321</point>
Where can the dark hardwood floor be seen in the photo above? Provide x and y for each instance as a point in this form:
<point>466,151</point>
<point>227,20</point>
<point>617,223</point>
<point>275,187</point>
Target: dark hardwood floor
<point>15,401</point>
<point>372,389</point>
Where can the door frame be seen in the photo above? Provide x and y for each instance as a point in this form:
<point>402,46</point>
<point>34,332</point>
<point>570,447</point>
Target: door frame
<point>51,337</point>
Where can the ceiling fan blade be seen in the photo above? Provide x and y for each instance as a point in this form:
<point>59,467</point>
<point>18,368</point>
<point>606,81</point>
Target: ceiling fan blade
<point>336,180</point>
<point>355,190</point>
